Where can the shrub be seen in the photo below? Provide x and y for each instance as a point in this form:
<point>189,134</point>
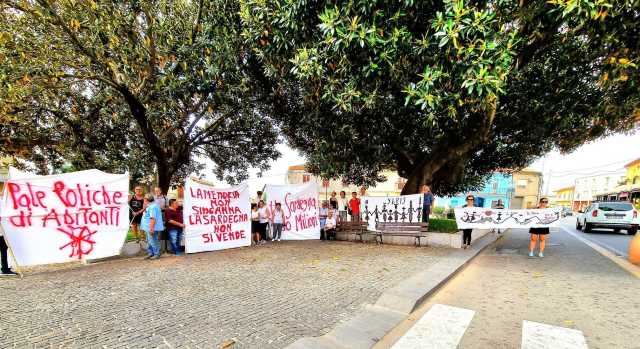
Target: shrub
<point>443,225</point>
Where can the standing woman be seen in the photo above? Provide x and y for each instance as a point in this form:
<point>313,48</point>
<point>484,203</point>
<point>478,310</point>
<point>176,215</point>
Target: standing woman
<point>343,206</point>
<point>263,214</point>
<point>277,220</point>
<point>539,233</point>
<point>255,222</point>
<point>466,233</point>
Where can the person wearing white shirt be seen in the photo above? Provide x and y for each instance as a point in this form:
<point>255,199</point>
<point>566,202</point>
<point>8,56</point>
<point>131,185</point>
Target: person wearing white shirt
<point>255,223</point>
<point>277,218</point>
<point>263,213</point>
<point>343,206</point>
<point>330,226</point>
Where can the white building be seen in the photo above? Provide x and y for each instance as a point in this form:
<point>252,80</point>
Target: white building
<point>586,188</point>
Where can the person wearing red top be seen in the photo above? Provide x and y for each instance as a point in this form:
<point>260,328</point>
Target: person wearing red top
<point>175,225</point>
<point>354,207</point>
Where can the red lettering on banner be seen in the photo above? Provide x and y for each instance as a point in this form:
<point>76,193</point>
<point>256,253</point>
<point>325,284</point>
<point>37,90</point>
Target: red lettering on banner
<point>21,220</point>
<point>230,236</point>
<point>79,196</point>
<point>24,200</point>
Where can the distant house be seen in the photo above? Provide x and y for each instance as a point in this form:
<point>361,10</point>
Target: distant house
<point>527,187</point>
<point>564,196</point>
<point>298,174</point>
<point>498,187</point>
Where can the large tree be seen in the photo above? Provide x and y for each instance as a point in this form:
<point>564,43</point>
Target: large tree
<point>130,85</point>
<point>445,91</point>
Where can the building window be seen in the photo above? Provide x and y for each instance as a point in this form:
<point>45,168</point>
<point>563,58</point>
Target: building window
<point>306,178</point>
<point>400,183</point>
<point>522,183</point>
<point>495,187</point>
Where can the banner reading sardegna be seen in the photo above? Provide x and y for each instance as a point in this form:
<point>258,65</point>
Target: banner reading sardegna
<point>216,218</point>
<point>300,206</point>
<point>488,218</point>
<point>66,217</point>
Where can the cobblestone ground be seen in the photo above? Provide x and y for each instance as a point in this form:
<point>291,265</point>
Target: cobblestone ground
<point>260,297</point>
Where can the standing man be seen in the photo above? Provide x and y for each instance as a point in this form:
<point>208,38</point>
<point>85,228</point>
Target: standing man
<point>6,271</point>
<point>152,225</point>
<point>173,214</point>
<point>427,201</point>
<point>354,207</point>
<point>136,208</point>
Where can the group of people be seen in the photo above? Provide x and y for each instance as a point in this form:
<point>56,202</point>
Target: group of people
<point>332,212</point>
<point>536,234</point>
<point>154,216</point>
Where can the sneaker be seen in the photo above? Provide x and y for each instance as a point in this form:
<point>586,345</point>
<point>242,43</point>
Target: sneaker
<point>155,257</point>
<point>148,257</point>
<point>530,253</point>
<point>8,273</point>
<point>540,255</point>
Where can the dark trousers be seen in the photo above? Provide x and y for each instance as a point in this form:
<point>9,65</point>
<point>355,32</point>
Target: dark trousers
<point>328,234</point>
<point>3,255</point>
<point>425,213</point>
<point>466,236</point>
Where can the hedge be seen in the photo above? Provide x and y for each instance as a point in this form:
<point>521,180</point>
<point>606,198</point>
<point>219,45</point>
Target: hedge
<point>443,225</point>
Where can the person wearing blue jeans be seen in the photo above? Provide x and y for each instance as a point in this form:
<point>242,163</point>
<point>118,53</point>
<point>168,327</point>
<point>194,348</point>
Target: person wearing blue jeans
<point>152,224</point>
<point>173,215</point>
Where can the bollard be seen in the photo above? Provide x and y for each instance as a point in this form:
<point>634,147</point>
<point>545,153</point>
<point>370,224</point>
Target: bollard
<point>634,249</point>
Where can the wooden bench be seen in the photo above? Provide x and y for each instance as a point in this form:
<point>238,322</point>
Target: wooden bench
<point>356,228</point>
<point>417,230</point>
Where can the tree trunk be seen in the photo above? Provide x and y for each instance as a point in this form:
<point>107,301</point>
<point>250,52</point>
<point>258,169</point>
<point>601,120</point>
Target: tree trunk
<point>165,173</point>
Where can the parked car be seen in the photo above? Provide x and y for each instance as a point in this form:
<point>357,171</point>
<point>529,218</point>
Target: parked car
<point>566,212</point>
<point>614,215</point>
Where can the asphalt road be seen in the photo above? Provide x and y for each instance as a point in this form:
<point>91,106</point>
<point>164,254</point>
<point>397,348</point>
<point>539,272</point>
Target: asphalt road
<point>617,243</point>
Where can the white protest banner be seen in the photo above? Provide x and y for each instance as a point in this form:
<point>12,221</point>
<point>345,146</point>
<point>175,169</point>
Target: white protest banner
<point>403,208</point>
<point>300,206</point>
<point>490,218</point>
<point>216,218</point>
<point>66,217</point>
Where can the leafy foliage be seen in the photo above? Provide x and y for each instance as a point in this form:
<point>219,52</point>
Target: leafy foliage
<point>136,85</point>
<point>445,91</point>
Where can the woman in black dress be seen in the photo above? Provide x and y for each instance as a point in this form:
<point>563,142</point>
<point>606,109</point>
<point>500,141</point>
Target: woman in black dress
<point>466,233</point>
<point>539,234</point>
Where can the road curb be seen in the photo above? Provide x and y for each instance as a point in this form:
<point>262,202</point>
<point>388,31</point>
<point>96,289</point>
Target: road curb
<point>394,305</point>
<point>622,263</point>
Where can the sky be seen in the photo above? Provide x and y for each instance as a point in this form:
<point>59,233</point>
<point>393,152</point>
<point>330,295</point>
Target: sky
<point>603,156</point>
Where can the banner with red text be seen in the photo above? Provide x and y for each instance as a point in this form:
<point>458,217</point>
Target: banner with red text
<point>300,206</point>
<point>216,218</point>
<point>65,217</point>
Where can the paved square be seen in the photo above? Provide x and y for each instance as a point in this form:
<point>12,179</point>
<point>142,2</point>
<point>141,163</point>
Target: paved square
<point>261,297</point>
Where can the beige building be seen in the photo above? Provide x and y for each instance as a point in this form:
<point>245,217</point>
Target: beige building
<point>527,188</point>
<point>391,187</point>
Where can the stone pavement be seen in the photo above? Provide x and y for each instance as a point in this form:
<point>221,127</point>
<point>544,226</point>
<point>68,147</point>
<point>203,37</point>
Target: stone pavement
<point>515,298</point>
<point>261,297</point>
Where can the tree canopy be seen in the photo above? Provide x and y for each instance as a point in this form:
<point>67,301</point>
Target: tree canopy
<point>445,91</point>
<point>135,85</point>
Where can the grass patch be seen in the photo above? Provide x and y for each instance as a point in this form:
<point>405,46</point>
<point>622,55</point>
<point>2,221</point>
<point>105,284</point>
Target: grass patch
<point>443,225</point>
